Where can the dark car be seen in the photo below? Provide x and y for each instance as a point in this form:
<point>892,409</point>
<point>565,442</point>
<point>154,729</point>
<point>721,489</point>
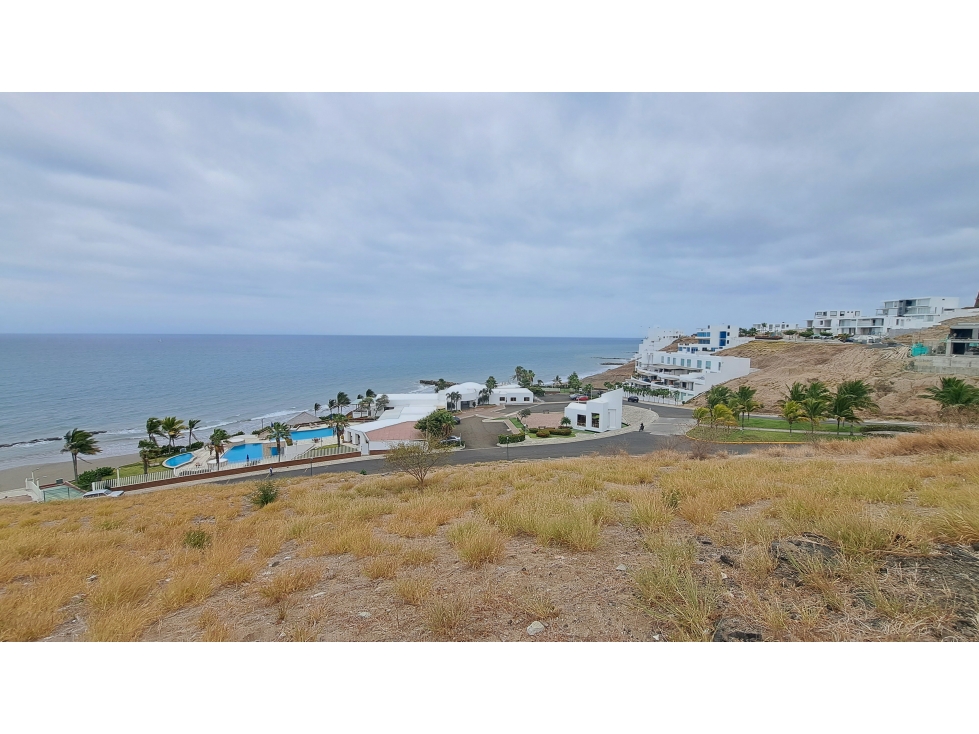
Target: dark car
<point>452,441</point>
<point>632,399</point>
<point>455,419</point>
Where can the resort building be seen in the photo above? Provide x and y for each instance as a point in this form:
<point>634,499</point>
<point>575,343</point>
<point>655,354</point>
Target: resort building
<point>658,339</point>
<point>598,415</point>
<point>715,337</point>
<point>395,425</point>
<point>302,419</point>
<point>688,376</point>
<point>511,395</point>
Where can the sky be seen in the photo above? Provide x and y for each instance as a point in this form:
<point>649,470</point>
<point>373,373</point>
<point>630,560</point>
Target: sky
<point>478,214</point>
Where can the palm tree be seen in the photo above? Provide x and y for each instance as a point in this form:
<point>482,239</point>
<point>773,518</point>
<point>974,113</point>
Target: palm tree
<point>332,405</point>
<point>153,429</point>
<point>953,392</point>
<point>718,414</point>
<point>316,409</point>
<point>791,412</point>
<point>717,395</point>
<point>78,442</point>
<point>363,405</point>
<point>841,408</point>
<point>565,421</point>
<point>744,402</point>
<point>796,394</point>
<point>216,444</point>
<point>280,432</point>
<point>817,390</point>
<point>382,403</point>
<point>859,393</point>
<point>484,396</point>
<point>557,381</point>
<point>147,450</point>
<point>491,383</point>
<point>191,425</point>
<point>172,428</point>
<point>339,423</point>
<point>454,397</point>
<point>370,394</point>
<point>343,400</point>
<point>587,388</point>
<point>813,410</point>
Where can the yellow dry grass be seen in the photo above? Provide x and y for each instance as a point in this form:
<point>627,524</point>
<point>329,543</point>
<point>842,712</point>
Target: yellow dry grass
<point>122,566</point>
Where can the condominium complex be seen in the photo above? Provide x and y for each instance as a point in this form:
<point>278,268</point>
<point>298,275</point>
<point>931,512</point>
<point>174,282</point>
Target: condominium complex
<point>894,317</point>
<point>689,372</point>
<point>715,337</point>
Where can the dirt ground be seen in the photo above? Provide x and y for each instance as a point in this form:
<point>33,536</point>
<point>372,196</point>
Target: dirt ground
<point>781,363</point>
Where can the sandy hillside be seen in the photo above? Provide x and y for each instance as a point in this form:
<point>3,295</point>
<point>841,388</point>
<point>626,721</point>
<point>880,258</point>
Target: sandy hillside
<point>781,363</point>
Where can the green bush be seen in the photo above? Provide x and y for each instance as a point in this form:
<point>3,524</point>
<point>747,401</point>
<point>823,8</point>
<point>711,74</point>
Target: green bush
<point>873,428</point>
<point>196,445</point>
<point>543,433</point>
<point>511,438</point>
<point>197,539</point>
<point>265,493</point>
<point>565,431</point>
<point>86,478</point>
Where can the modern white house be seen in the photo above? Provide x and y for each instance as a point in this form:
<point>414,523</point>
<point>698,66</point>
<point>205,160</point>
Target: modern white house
<point>776,327</point>
<point>685,373</point>
<point>715,337</point>
<point>511,395</point>
<point>395,425</point>
<point>658,339</point>
<point>598,415</point>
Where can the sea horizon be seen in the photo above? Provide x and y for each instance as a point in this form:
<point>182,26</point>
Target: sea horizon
<point>110,383</point>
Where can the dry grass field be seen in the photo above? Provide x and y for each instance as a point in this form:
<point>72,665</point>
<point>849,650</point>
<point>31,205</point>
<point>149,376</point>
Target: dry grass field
<point>837,541</point>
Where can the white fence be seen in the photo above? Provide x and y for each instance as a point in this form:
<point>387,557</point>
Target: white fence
<point>312,453</point>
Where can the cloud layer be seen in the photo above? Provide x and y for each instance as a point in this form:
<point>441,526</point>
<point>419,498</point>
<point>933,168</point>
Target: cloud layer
<point>478,214</point>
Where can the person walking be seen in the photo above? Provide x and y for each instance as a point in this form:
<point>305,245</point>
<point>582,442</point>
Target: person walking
<point>642,427</point>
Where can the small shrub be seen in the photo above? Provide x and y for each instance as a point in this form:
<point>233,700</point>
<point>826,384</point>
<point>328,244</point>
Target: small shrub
<point>413,590</point>
<point>477,543</point>
<point>561,431</point>
<point>543,433</point>
<point>446,616</point>
<point>381,567</point>
<point>288,583</point>
<point>512,438</point>
<point>265,493</point>
<point>197,539</point>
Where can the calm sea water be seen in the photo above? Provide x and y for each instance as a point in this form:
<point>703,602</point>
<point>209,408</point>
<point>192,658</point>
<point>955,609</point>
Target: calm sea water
<point>50,384</point>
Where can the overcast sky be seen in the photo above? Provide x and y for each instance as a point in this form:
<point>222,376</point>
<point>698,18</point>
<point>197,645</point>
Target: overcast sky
<point>544,215</point>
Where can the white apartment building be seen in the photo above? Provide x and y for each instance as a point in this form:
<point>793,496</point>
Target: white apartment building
<point>894,317</point>
<point>658,339</point>
<point>776,327</point>
<point>686,373</point>
<point>715,337</point>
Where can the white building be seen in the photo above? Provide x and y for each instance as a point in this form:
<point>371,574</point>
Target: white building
<point>715,337</point>
<point>776,327</point>
<point>598,415</point>
<point>686,373</point>
<point>658,339</point>
<point>511,395</point>
<point>395,425</point>
<point>894,317</point>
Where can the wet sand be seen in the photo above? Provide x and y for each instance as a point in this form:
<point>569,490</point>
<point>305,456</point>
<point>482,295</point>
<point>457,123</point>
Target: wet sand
<point>14,478</point>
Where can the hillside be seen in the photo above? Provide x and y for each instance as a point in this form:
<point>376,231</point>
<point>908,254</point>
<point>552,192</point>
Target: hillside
<point>862,541</point>
<point>781,363</point>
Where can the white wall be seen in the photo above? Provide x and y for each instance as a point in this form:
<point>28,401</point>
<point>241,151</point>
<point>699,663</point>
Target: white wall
<point>512,395</point>
<point>607,408</point>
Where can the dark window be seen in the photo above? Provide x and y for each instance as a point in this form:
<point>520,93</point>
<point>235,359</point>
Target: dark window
<point>526,400</point>
<point>595,419</point>
<point>581,420</point>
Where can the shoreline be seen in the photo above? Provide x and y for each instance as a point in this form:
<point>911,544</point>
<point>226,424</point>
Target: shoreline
<point>13,477</point>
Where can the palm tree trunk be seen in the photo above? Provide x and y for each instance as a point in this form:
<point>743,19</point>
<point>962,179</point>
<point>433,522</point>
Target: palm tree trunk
<point>146,465</point>
<point>74,463</point>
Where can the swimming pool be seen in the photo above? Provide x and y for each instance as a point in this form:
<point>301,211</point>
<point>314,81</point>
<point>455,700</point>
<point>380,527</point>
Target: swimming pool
<point>179,460</point>
<point>311,433</point>
<point>245,452</point>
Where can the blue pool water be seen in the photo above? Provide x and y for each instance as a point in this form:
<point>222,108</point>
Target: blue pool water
<point>245,452</point>
<point>311,433</point>
<point>179,460</point>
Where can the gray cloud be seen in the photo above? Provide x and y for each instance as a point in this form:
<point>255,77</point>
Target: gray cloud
<point>478,214</point>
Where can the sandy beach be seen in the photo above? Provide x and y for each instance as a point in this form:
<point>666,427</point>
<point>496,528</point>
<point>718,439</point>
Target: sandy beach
<point>14,477</point>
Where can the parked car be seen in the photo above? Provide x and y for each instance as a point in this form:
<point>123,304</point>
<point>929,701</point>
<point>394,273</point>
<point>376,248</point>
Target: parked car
<point>452,441</point>
<point>582,399</point>
<point>456,420</point>
<point>632,399</point>
<point>104,493</point>
<point>574,396</point>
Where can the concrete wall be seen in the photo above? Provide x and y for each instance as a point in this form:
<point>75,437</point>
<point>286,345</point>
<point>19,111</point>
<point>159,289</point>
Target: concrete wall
<point>948,365</point>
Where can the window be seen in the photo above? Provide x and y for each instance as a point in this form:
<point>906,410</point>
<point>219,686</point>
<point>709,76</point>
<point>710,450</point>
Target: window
<point>513,400</point>
<point>526,400</point>
<point>502,400</point>
<point>700,363</point>
<point>595,420</point>
<point>708,364</point>
<point>581,420</point>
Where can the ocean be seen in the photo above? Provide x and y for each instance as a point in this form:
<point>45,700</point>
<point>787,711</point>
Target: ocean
<point>50,384</point>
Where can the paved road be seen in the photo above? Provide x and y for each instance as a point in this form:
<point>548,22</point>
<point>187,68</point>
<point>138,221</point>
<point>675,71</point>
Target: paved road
<point>632,442</point>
